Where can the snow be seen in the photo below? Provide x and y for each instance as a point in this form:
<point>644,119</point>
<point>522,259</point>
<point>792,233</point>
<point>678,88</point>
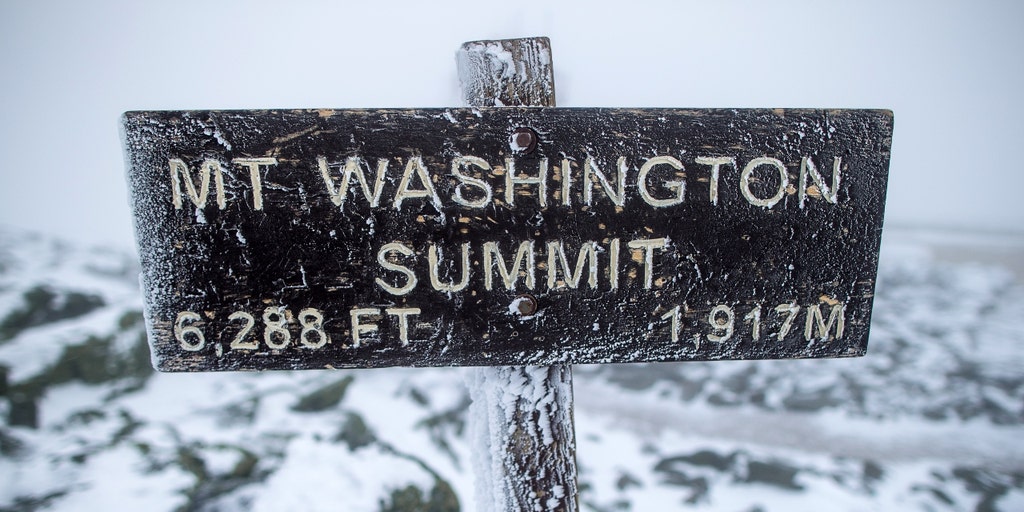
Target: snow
<point>930,419</point>
<point>499,395</point>
<point>356,479</point>
<point>121,488</point>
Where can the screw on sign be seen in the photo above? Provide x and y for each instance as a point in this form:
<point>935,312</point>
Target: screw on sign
<point>523,140</point>
<point>511,236</point>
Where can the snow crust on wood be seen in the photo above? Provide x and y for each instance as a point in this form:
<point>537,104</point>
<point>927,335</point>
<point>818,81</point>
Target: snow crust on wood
<point>524,447</point>
<point>507,72</point>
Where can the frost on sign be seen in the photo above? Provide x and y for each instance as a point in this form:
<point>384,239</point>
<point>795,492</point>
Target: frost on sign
<point>512,236</point>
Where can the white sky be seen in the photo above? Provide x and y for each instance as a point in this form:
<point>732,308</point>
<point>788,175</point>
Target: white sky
<point>953,73</point>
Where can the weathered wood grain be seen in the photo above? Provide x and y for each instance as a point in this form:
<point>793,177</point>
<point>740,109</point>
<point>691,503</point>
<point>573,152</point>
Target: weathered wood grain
<point>746,247</point>
<point>507,72</point>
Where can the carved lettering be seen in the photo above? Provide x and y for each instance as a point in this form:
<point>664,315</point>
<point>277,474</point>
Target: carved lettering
<point>353,168</point>
<point>557,260</point>
<point>254,164</point>
<point>509,276</point>
<point>415,167</point>
<point>678,185</point>
<point>384,261</point>
<point>198,195</point>
<point>746,178</point>
<point>540,180</point>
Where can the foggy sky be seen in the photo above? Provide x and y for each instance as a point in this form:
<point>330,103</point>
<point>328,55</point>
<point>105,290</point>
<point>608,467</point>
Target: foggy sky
<point>951,72</point>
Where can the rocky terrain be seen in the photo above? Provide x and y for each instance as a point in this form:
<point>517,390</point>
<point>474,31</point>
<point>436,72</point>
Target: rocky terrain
<point>930,420</point>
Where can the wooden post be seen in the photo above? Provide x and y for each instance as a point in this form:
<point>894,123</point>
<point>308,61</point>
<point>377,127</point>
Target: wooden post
<point>522,414</point>
<point>507,73</point>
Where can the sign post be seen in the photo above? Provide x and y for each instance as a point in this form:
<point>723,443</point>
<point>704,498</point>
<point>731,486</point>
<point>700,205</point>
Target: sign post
<point>527,238</point>
<point>523,415</point>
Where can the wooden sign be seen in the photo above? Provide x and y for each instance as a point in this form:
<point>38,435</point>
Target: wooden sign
<point>286,239</point>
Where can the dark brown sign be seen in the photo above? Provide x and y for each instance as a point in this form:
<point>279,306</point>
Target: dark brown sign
<point>505,236</point>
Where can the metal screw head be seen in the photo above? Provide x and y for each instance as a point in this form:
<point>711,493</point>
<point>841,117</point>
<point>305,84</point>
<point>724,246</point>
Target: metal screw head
<point>523,140</point>
<point>525,305</point>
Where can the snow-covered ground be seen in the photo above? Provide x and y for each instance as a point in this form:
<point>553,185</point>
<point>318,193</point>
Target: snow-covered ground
<point>930,419</point>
